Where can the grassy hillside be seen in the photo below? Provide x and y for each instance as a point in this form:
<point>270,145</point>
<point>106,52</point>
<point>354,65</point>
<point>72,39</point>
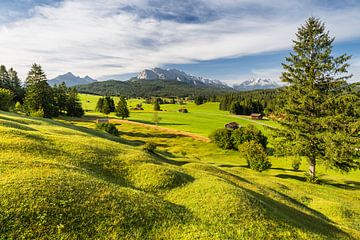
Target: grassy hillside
<point>148,88</point>
<point>66,180</point>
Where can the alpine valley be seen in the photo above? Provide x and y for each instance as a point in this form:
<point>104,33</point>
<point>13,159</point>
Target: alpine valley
<point>170,82</point>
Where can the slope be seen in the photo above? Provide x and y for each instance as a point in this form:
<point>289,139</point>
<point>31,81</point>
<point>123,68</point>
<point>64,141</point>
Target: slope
<point>58,180</point>
<point>148,88</point>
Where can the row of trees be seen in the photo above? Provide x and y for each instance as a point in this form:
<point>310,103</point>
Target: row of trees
<point>245,103</point>
<point>37,98</point>
<point>106,105</point>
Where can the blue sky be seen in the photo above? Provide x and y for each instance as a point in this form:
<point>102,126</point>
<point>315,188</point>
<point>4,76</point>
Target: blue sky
<point>229,40</point>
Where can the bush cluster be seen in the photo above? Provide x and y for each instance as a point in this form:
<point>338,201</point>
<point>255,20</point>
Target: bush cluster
<point>255,155</point>
<point>109,128</point>
<point>150,147</point>
<point>231,139</point>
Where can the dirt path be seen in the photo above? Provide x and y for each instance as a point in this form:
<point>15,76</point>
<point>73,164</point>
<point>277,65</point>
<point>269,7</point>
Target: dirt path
<point>164,129</point>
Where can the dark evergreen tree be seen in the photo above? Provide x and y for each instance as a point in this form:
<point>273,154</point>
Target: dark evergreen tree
<point>236,108</point>
<point>122,109</point>
<point>15,85</point>
<point>321,121</point>
<point>99,104</point>
<point>111,103</point>
<point>73,104</point>
<point>60,96</point>
<point>156,106</point>
<point>198,100</point>
<point>4,78</point>
<point>38,93</point>
<point>106,107</point>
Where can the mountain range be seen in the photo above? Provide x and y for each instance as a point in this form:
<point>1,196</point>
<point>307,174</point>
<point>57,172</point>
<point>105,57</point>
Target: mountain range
<point>174,74</point>
<point>256,84</point>
<point>160,82</point>
<point>71,80</point>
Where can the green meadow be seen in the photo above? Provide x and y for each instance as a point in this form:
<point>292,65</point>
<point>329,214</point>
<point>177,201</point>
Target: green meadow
<point>63,179</point>
<point>201,119</point>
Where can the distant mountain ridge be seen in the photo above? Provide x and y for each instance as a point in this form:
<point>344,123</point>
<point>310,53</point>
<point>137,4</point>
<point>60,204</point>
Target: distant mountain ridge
<point>174,74</point>
<point>256,84</point>
<point>71,80</point>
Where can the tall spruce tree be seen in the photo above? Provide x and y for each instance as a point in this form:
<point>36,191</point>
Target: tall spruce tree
<point>122,109</point>
<point>73,104</point>
<point>60,96</point>
<point>15,85</point>
<point>4,78</point>
<point>321,121</point>
<point>38,92</point>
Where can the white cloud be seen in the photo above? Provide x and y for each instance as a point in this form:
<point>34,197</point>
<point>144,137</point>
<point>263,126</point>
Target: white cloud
<point>101,38</point>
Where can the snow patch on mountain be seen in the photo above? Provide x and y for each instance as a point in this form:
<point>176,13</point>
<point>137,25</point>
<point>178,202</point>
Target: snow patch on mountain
<point>177,75</point>
<point>255,84</point>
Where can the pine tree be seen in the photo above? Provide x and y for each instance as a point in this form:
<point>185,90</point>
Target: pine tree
<point>156,106</point>
<point>122,109</point>
<point>105,107</point>
<point>4,78</point>
<point>60,96</point>
<point>319,122</point>
<point>15,85</point>
<point>38,92</point>
<point>73,104</point>
<point>99,104</point>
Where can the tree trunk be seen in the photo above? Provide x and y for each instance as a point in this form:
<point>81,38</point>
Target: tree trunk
<point>312,169</point>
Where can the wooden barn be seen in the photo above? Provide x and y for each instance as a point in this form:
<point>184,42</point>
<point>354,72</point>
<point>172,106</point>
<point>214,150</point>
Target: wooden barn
<point>256,116</point>
<point>232,125</point>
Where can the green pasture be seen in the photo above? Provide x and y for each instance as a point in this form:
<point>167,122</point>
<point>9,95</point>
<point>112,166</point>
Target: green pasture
<point>201,119</point>
<point>65,180</point>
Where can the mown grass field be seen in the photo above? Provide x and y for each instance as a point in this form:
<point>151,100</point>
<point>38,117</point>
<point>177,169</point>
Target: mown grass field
<point>201,119</point>
<point>64,179</point>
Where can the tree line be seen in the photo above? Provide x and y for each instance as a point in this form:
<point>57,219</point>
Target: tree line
<point>245,103</point>
<point>36,97</point>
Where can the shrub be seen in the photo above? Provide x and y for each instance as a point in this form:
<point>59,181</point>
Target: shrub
<point>18,107</point>
<point>109,128</point>
<point>222,138</point>
<point>231,139</point>
<point>6,97</point>
<point>150,147</point>
<point>183,110</point>
<point>39,113</point>
<point>296,162</point>
<point>246,134</point>
<point>255,155</point>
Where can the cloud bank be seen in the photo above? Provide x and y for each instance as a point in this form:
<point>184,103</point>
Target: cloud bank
<point>118,37</point>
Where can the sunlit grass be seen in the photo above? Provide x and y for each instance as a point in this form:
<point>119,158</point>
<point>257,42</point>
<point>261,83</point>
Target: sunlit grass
<point>68,180</point>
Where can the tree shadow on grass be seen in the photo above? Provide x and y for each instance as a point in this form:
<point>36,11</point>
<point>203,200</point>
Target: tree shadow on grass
<point>313,221</point>
<point>301,205</point>
<point>233,166</point>
<point>150,135</point>
<point>288,176</point>
<point>163,159</point>
<point>347,185</point>
<point>316,223</point>
<point>160,123</point>
<point>287,169</point>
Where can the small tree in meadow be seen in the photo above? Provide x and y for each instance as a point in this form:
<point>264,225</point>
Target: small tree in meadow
<point>156,106</point>
<point>122,109</point>
<point>255,155</point>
